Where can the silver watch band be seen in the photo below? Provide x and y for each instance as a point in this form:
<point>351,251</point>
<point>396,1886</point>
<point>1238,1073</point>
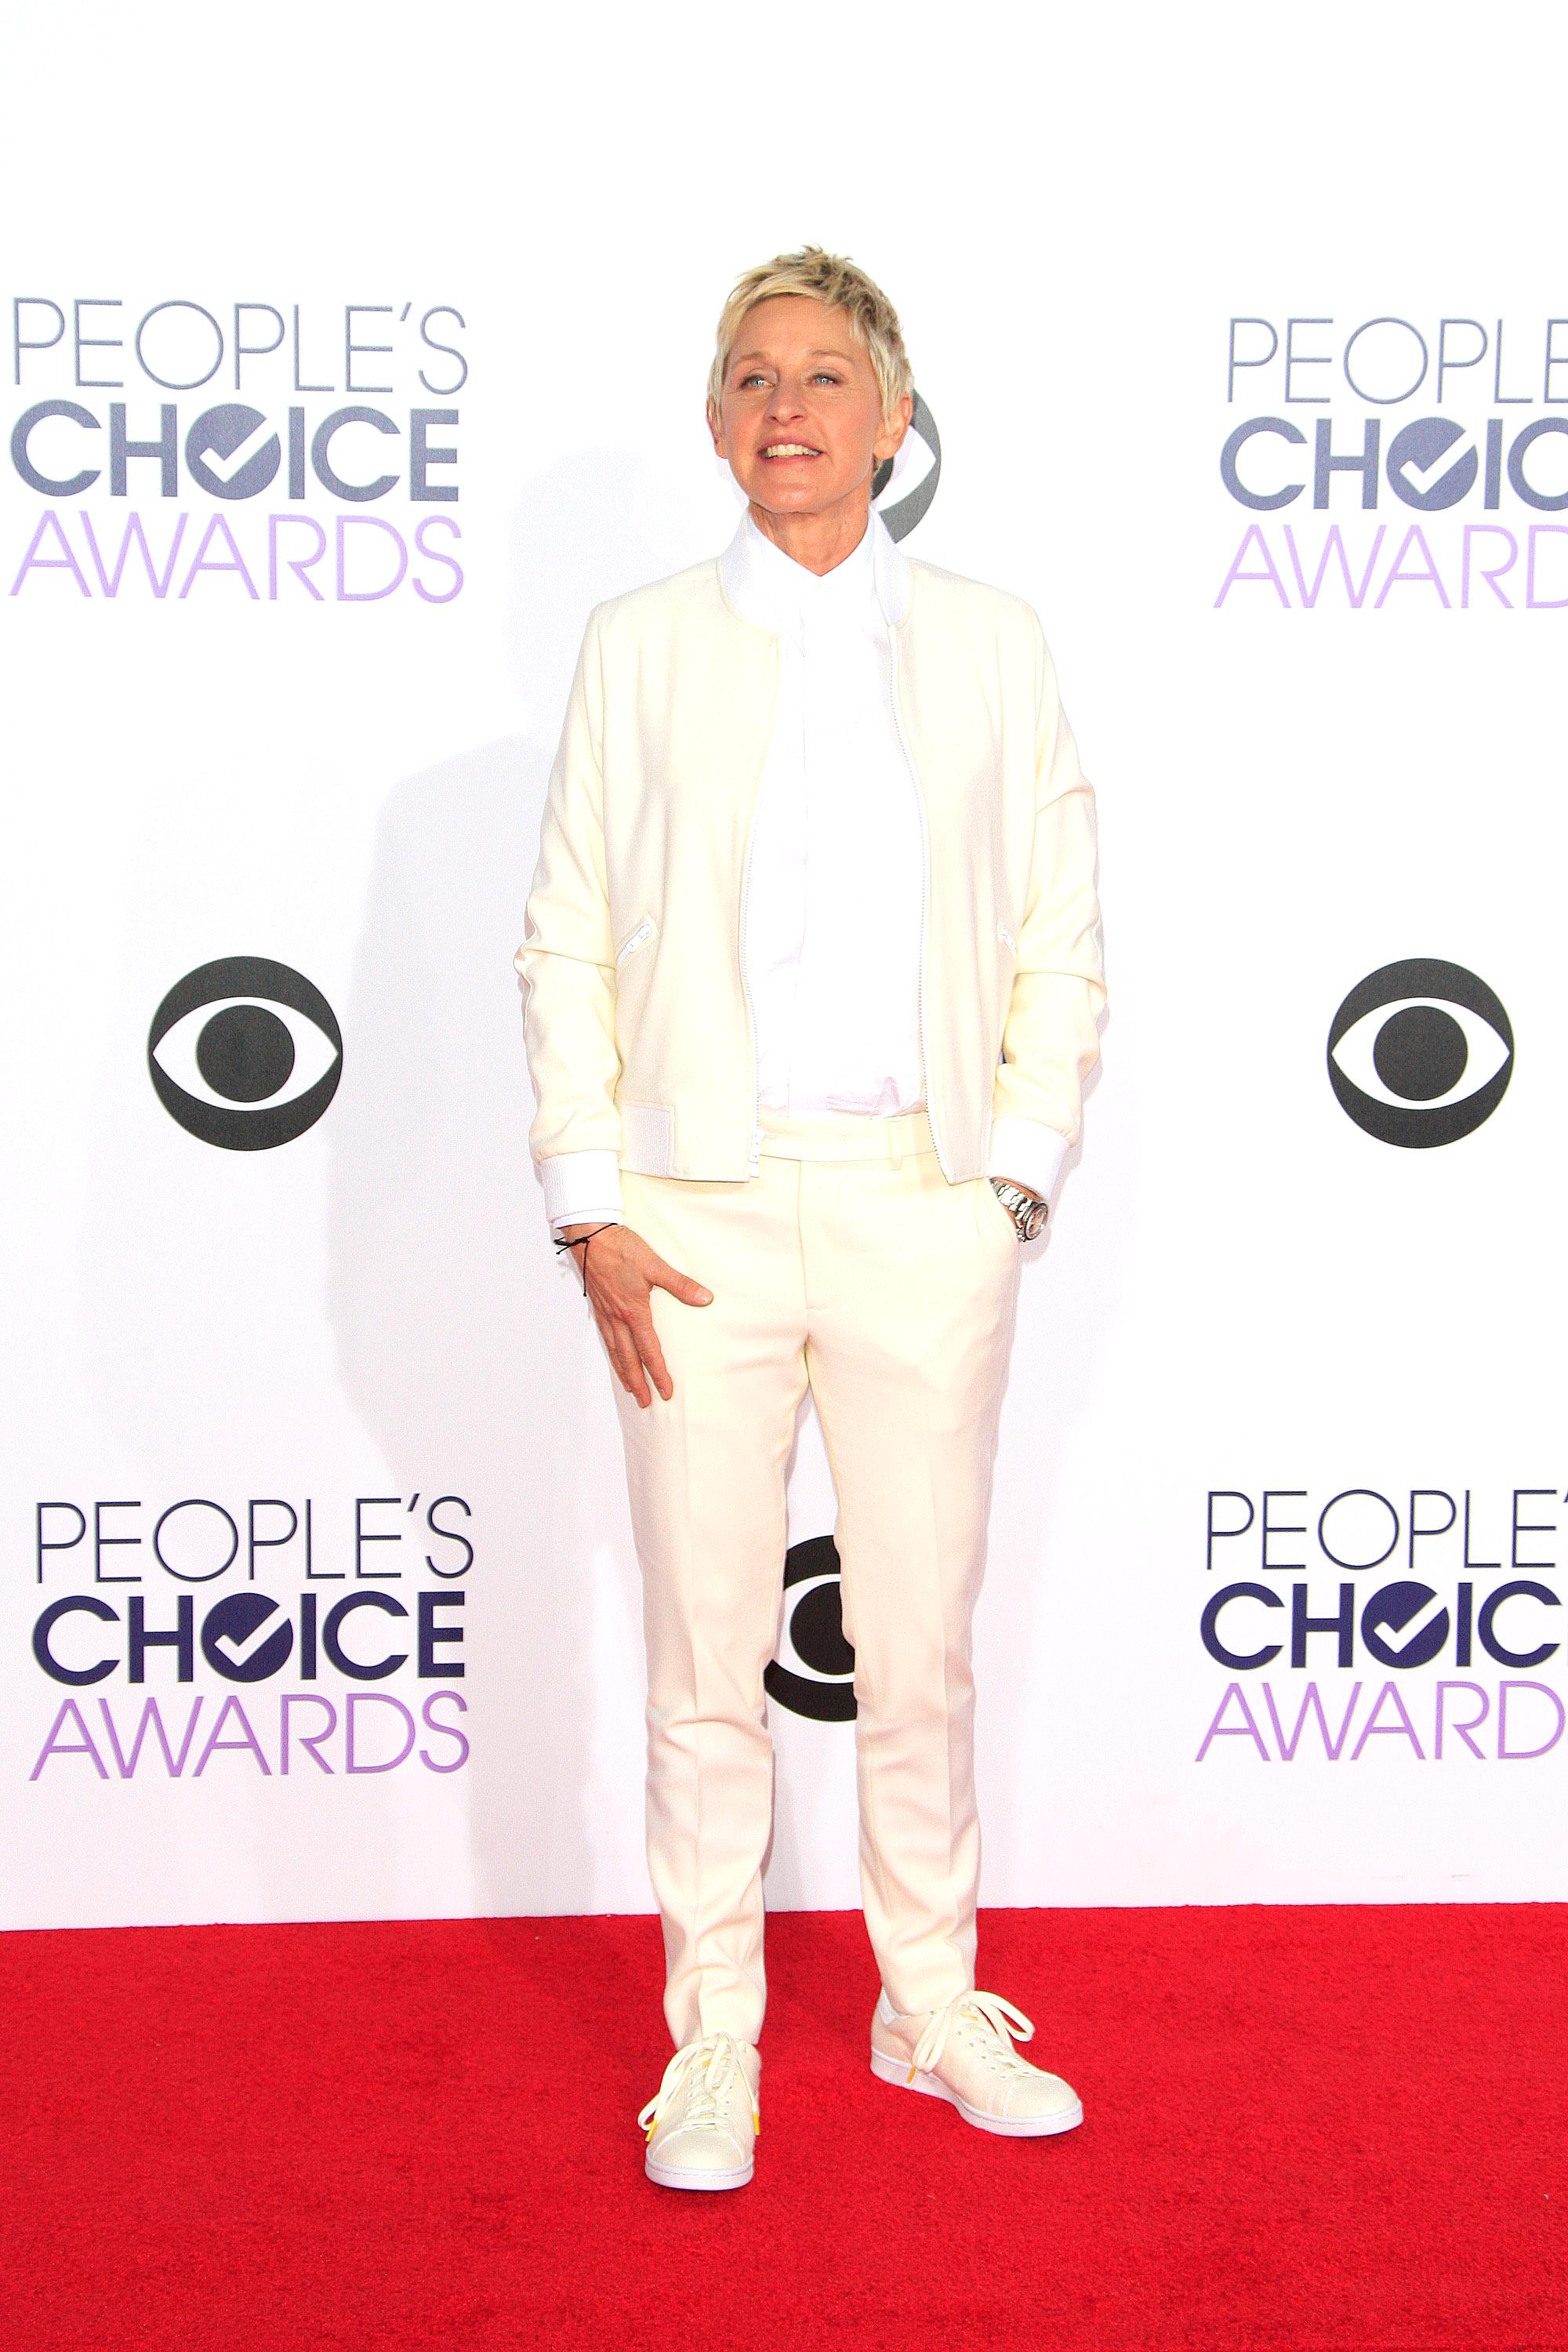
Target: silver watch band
<point>1028,1212</point>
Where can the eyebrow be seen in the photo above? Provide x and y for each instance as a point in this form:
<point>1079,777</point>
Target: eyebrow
<point>822,351</point>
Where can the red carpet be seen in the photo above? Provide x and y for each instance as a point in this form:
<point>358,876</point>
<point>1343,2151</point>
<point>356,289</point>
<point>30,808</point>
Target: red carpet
<point>1306,2128</point>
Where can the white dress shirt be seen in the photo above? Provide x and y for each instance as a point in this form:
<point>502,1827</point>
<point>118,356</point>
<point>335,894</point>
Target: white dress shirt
<point>833,900</point>
<point>833,967</point>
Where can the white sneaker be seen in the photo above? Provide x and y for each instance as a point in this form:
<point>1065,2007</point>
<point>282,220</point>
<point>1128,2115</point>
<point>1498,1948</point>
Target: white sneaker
<point>963,2053</point>
<point>703,2121</point>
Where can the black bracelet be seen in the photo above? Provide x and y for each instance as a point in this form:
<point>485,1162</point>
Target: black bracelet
<point>562,1244</point>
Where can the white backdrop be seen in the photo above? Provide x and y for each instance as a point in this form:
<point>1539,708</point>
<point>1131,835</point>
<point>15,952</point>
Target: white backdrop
<point>1244,1289</point>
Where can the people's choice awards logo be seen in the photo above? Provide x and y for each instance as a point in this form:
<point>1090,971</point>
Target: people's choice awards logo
<point>813,1672</point>
<point>245,1053</point>
<point>168,488</point>
<point>1392,460</point>
<point>902,487</point>
<point>1420,1052</point>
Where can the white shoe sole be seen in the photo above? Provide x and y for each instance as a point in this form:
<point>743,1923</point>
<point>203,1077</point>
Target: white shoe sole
<point>675,2175</point>
<point>895,2070</point>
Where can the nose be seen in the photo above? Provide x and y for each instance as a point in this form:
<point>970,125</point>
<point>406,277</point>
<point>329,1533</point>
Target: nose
<point>785,402</point>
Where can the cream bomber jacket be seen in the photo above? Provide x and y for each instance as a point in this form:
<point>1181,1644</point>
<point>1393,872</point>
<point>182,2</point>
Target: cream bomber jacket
<point>637,1017</point>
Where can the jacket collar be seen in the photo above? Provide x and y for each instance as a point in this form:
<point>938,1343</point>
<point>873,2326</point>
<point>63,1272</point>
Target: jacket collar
<point>754,587</point>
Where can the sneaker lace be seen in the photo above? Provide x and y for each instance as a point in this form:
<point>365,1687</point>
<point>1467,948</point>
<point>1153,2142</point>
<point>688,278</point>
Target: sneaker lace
<point>700,2073</point>
<point>987,2022</point>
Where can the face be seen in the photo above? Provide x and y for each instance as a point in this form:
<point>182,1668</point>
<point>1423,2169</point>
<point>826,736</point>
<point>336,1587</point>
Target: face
<point>800,424</point>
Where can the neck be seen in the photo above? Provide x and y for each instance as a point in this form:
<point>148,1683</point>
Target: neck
<point>819,543</point>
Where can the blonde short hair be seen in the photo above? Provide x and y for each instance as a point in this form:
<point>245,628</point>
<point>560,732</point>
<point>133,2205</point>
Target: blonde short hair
<point>831,279</point>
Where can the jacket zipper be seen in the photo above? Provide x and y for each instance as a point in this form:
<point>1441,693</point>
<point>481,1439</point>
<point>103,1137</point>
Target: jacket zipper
<point>755,1155</point>
<point>925,895</point>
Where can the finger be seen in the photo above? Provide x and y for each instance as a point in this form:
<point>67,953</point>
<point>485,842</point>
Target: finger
<point>624,1356</point>
<point>680,1286</point>
<point>652,1354</point>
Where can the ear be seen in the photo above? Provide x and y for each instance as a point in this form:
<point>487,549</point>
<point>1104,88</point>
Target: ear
<point>716,428</point>
<point>890,435</point>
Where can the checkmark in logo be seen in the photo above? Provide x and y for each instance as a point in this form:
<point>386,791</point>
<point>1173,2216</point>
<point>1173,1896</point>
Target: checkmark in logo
<point>1407,1608</point>
<point>1421,478</point>
<point>227,465</point>
<point>243,1640</point>
<point>232,451</point>
<point>1433,463</point>
<point>240,1646</point>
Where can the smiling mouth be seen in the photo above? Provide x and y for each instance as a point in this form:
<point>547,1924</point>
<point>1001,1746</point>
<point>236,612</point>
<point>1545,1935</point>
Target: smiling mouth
<point>776,449</point>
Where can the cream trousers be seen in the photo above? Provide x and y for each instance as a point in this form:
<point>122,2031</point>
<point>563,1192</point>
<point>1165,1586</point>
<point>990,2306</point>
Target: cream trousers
<point>848,1265</point>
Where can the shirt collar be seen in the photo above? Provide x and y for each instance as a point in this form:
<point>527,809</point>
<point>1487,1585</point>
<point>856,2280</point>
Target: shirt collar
<point>768,587</point>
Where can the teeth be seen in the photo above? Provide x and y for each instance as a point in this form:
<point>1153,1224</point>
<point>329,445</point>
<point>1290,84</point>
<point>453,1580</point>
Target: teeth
<point>788,449</point>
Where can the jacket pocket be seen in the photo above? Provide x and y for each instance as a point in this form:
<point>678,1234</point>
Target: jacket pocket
<point>635,939</point>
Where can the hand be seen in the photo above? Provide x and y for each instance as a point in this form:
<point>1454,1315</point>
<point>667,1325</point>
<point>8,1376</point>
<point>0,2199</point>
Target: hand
<point>620,1276</point>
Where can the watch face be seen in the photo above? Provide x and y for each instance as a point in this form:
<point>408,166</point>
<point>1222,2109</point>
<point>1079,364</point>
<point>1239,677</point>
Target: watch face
<point>1028,1213</point>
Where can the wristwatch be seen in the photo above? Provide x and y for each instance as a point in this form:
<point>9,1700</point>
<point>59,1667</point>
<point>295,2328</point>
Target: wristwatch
<point>1028,1213</point>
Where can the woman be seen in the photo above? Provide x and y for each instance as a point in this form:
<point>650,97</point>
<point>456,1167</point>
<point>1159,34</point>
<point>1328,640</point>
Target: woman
<point>813,971</point>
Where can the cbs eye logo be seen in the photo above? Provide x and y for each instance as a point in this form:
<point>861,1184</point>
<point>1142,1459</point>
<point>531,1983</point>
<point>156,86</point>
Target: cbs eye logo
<point>902,487</point>
<point>1420,1052</point>
<point>245,1053</point>
<point>812,1674</point>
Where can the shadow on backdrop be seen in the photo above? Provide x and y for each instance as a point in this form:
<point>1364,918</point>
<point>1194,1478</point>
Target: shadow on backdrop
<point>462,1341</point>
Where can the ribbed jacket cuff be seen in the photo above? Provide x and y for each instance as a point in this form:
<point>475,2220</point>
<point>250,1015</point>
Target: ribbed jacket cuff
<point>582,1188</point>
<point>1028,1151</point>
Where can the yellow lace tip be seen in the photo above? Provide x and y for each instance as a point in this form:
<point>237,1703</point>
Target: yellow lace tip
<point>911,2075</point>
